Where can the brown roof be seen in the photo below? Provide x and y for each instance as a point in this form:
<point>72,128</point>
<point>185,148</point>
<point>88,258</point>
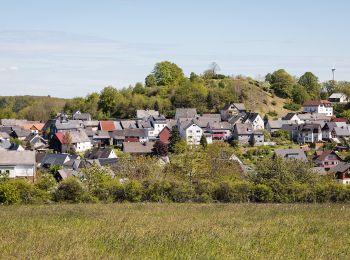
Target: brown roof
<point>317,103</point>
<point>107,126</point>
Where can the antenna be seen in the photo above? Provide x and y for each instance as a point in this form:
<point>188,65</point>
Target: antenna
<point>333,71</point>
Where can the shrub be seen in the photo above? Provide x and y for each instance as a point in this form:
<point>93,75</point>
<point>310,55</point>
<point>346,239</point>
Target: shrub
<point>70,190</point>
<point>262,193</point>
<point>180,192</point>
<point>233,191</point>
<point>9,194</point>
<point>292,106</point>
<point>133,191</point>
<point>156,191</point>
<point>30,193</point>
<point>46,182</point>
<point>204,191</point>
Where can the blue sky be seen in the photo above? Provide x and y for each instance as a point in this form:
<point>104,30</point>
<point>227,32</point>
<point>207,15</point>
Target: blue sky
<point>70,48</point>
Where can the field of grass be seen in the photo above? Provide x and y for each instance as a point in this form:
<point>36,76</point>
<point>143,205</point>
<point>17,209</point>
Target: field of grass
<point>180,231</point>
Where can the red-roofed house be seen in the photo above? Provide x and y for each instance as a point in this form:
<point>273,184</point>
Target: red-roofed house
<point>339,120</point>
<point>164,135</point>
<point>319,106</point>
<point>108,126</point>
<point>327,159</point>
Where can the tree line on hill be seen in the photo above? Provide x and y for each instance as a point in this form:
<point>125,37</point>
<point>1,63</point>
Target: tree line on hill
<point>167,88</point>
<point>200,175</point>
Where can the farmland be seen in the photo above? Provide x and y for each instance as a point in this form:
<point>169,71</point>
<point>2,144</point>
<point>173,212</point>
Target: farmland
<point>178,231</point>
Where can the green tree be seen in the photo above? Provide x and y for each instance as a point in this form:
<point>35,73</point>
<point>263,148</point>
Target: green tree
<point>203,142</point>
<point>167,73</point>
<point>311,84</point>
<point>174,139</point>
<point>150,81</point>
<point>282,83</point>
<point>300,94</point>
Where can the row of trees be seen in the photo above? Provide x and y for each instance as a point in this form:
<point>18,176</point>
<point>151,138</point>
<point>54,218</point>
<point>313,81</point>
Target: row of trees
<point>203,174</point>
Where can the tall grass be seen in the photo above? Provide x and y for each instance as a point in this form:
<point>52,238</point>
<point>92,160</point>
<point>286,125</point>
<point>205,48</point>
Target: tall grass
<point>180,231</point>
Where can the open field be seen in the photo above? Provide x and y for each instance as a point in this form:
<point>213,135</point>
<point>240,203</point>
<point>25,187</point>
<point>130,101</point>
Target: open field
<point>177,231</point>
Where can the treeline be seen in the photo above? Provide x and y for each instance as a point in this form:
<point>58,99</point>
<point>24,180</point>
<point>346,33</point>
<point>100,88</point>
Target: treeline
<point>167,88</point>
<point>198,175</point>
<point>30,107</point>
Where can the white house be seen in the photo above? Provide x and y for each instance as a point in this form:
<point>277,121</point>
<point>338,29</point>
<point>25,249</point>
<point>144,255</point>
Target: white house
<point>319,106</point>
<point>309,133</point>
<point>191,132</point>
<point>158,123</point>
<point>18,164</point>
<point>338,98</point>
<point>255,119</point>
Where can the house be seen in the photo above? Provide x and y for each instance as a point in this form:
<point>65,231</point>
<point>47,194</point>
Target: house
<point>328,128</point>
<point>138,148</point>
<point>99,153</point>
<point>109,126</point>
<point>63,126</point>
<point>13,122</point>
<point>78,141</point>
<point>189,113</point>
<point>297,154</point>
<point>309,133</point>
<point>20,133</point>
<point>158,123</point>
<point>102,138</point>
<point>130,135</point>
<point>341,132</point>
<point>91,125</point>
<point>246,135</point>
<point>219,130</point>
<point>338,98</point>
<point>35,141</point>
<point>18,164</point>
<point>51,159</point>
<point>231,110</point>
<point>191,132</point>
<point>255,119</point>
<point>312,117</point>
<point>293,117</point>
<point>34,127</point>
<point>342,172</point>
<point>164,135</point>
<point>326,159</point>
<point>143,114</point>
<point>128,124</point>
<point>77,115</point>
<point>275,125</point>
<point>318,106</point>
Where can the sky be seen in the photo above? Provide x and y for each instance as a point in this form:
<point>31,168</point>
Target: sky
<point>70,48</point>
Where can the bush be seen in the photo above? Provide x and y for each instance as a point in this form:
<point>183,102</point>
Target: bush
<point>204,191</point>
<point>262,193</point>
<point>233,191</point>
<point>30,193</point>
<point>133,191</point>
<point>180,192</point>
<point>9,194</point>
<point>70,190</point>
<point>292,106</point>
<point>156,191</point>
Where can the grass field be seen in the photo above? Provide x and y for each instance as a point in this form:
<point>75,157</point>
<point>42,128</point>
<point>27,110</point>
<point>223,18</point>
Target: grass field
<point>180,231</point>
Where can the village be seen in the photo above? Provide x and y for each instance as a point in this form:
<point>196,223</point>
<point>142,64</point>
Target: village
<point>73,142</point>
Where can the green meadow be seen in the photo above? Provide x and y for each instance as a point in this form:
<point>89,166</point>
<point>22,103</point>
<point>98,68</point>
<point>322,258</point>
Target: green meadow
<point>175,231</point>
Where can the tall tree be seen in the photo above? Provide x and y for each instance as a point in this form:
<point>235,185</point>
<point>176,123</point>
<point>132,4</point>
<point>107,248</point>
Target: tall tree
<point>311,84</point>
<point>167,73</point>
<point>282,83</point>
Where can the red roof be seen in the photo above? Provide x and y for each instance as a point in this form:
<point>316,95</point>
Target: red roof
<point>339,120</point>
<point>107,126</point>
<point>312,103</point>
<point>60,137</point>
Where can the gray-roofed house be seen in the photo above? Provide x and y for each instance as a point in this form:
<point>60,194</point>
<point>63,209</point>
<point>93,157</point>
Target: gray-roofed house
<point>246,135</point>
<point>338,98</point>
<point>341,132</point>
<point>138,148</point>
<point>77,115</point>
<point>342,172</point>
<point>297,154</point>
<point>102,138</point>
<point>255,119</point>
<point>51,159</point>
<point>99,153</point>
<point>186,113</point>
<point>231,110</point>
<point>309,133</point>
<point>143,114</point>
<point>130,135</point>
<point>18,164</point>
<point>36,141</point>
